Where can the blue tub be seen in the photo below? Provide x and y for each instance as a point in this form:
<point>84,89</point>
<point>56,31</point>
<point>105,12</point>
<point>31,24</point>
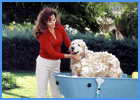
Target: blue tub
<point>81,87</point>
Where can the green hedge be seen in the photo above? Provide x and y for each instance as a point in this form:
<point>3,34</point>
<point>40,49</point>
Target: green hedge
<point>21,53</point>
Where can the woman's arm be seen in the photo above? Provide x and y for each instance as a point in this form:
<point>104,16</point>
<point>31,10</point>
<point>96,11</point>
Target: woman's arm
<point>75,57</point>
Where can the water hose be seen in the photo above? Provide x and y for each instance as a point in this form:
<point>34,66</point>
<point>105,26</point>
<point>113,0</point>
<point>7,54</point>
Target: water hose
<point>99,81</point>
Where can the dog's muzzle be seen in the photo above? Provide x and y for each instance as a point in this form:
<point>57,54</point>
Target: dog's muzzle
<point>72,51</point>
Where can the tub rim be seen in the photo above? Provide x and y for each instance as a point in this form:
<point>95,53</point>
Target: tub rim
<point>62,75</point>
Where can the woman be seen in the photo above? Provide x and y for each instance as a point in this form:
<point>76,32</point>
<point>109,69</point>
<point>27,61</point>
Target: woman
<point>50,34</point>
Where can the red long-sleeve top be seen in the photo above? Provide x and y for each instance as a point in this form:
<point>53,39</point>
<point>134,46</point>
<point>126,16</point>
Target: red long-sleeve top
<point>50,48</point>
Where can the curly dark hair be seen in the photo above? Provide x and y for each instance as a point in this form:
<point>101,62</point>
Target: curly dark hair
<point>43,17</point>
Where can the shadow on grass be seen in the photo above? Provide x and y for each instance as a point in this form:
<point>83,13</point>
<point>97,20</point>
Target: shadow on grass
<point>15,94</point>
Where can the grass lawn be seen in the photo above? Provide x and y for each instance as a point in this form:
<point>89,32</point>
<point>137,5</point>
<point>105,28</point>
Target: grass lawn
<point>27,86</point>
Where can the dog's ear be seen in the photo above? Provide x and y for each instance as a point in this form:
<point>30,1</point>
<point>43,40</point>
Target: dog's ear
<point>86,48</point>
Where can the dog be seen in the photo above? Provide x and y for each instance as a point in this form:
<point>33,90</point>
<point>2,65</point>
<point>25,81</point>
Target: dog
<point>93,64</point>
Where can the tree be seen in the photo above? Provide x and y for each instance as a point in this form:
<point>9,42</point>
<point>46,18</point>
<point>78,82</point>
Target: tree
<point>76,15</point>
<point>72,13</point>
<point>127,23</point>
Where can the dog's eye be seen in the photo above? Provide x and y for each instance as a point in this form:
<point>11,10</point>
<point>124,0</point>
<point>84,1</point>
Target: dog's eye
<point>78,44</point>
<point>72,43</point>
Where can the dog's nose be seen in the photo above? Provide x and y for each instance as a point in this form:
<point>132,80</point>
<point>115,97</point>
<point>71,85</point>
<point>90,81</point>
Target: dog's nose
<point>72,48</point>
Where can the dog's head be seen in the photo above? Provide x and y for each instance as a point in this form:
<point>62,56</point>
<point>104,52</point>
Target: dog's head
<point>78,46</point>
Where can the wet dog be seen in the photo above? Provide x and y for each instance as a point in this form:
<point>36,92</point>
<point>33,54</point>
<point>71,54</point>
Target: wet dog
<point>93,64</point>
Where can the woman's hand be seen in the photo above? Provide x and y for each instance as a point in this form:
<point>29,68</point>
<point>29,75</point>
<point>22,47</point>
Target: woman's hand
<point>75,57</point>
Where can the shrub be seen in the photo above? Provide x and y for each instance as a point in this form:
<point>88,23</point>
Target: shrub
<point>20,52</point>
<point>8,81</point>
<point>24,30</point>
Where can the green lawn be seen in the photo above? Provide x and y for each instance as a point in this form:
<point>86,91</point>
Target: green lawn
<point>27,86</point>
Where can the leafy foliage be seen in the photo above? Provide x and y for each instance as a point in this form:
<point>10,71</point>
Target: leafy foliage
<point>128,24</point>
<point>8,81</point>
<point>24,30</point>
<point>77,14</point>
<point>71,13</point>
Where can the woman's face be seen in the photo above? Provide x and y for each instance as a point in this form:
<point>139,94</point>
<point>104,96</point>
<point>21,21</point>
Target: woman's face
<point>51,22</point>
